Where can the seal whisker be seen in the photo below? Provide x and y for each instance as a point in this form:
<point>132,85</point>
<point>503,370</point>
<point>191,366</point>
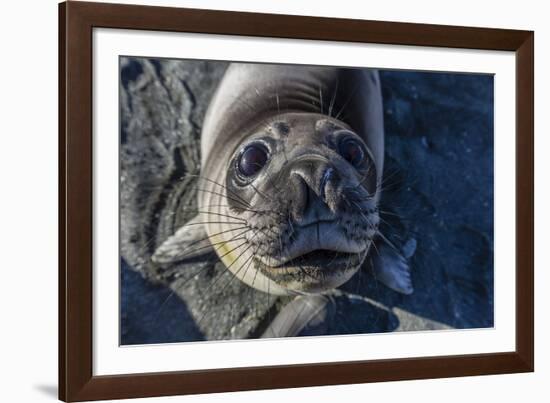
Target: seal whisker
<point>269,307</point>
<point>254,279</point>
<point>187,252</point>
<point>392,214</point>
<point>359,281</point>
<point>146,245</point>
<point>235,274</point>
<point>221,274</point>
<point>385,182</point>
<point>221,243</point>
<point>216,183</point>
<point>207,238</point>
<point>222,195</point>
<point>256,273</point>
<point>213,213</point>
<point>191,277</point>
<point>386,223</point>
<point>232,263</point>
<point>280,242</point>
<point>172,293</point>
<point>344,106</point>
<point>362,211</point>
<point>260,193</point>
<point>375,248</point>
<point>333,99</point>
<point>231,250</point>
<point>253,256</point>
<point>246,209</point>
<point>238,198</point>
<point>211,222</point>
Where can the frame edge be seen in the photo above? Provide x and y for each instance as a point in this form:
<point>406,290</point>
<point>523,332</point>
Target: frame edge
<point>76,382</point>
<point>525,320</point>
<point>221,22</point>
<point>75,205</point>
<point>62,342</point>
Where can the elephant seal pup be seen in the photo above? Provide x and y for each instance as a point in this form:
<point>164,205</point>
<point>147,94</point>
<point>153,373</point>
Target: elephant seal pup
<point>291,172</point>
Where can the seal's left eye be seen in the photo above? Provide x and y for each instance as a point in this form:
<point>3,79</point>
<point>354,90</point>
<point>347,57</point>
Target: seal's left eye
<point>252,160</point>
<point>352,151</point>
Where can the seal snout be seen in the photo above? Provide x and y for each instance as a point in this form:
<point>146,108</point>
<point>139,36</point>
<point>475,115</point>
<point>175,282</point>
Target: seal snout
<point>314,182</point>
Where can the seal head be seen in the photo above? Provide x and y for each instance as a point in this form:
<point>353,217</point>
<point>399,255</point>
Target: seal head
<point>307,184</point>
<point>292,160</point>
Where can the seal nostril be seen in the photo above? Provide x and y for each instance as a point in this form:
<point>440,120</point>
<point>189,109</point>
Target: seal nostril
<point>324,181</point>
<point>299,198</point>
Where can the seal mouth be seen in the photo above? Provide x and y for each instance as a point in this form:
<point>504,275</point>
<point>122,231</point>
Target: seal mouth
<point>316,244</point>
<point>316,271</point>
<point>318,258</point>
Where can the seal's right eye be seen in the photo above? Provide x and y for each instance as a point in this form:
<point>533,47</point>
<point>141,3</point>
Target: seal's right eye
<point>251,160</point>
<point>352,151</point>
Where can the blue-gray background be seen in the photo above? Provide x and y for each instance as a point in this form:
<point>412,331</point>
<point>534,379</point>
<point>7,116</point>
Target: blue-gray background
<point>439,170</point>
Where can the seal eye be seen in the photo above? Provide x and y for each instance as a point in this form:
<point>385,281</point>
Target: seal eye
<point>352,151</point>
<point>252,159</point>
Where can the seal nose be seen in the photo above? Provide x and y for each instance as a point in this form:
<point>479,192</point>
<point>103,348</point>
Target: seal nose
<point>313,182</point>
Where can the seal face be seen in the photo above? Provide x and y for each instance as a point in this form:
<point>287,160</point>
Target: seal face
<point>306,184</point>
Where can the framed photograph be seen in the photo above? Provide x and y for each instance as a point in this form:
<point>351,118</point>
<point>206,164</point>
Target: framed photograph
<point>253,201</point>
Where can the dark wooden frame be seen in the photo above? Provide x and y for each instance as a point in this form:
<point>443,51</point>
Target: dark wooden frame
<point>76,22</point>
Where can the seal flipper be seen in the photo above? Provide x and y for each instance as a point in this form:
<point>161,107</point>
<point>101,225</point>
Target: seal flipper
<point>391,268</point>
<point>302,312</point>
<point>189,242</point>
